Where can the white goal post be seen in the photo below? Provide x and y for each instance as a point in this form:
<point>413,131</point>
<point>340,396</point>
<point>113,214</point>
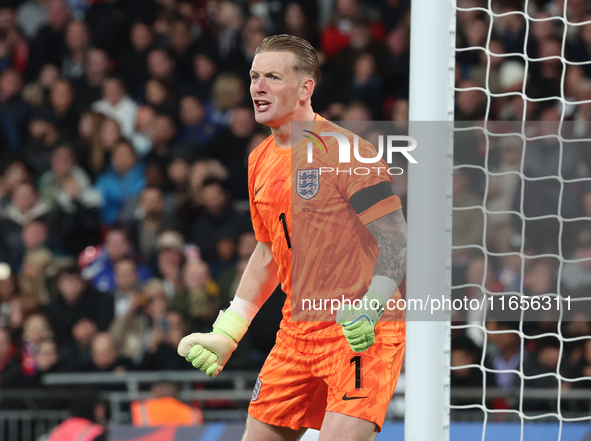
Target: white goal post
<point>432,54</point>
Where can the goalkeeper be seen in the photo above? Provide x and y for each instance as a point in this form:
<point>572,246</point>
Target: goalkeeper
<point>335,376</point>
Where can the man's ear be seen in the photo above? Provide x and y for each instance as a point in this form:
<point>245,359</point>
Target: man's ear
<point>307,89</point>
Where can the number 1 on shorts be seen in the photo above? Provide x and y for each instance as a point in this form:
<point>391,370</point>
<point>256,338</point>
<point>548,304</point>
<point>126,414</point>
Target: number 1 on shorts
<point>358,370</point>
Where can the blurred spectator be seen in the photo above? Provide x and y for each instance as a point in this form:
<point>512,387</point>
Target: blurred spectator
<point>78,40</point>
<point>36,93</point>
<point>103,143</point>
<point>142,137</point>
<point>89,86</point>
<point>579,48</point>
<point>32,280</point>
<point>541,196</point>
<point>161,67</point>
<point>149,221</point>
<point>365,85</point>
<point>47,361</point>
<point>544,80</point>
<point>75,301</point>
<point>132,61</point>
<point>489,69</point>
<point>501,190</point>
<point>337,35</point>
<point>464,353</point>
<point>82,424</point>
<point>576,273</point>
<point>118,105</point>
<point>61,100</point>
<point>116,247</point>
<point>470,104</point>
<point>545,365</point>
<point>170,260</point>
<point>63,166</point>
<point>205,68</point>
<point>194,129</point>
<point>11,313</point>
<point>229,146</point>
<point>25,206</point>
<point>105,356</point>
<point>162,352</point>
<point>228,279</point>
<point>159,96</point>
<point>183,46</point>
<point>109,24</point>
<point>178,175</point>
<point>296,22</point>
<point>9,364</point>
<point>229,21</point>
<point>124,180</point>
<point>76,353</point>
<point>218,219</point>
<point>228,92</point>
<point>44,137</point>
<point>126,286</point>
<point>582,368</point>
<point>226,251</point>
<point>36,330</point>
<point>163,135</point>
<point>31,16</point>
<point>78,219</point>
<point>198,299</point>
<point>504,338</point>
<point>163,408</point>
<point>49,45</point>
<point>143,325</point>
<point>34,236</point>
<point>14,111</point>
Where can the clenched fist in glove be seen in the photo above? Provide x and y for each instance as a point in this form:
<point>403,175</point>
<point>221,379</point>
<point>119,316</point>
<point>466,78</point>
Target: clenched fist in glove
<point>210,352</point>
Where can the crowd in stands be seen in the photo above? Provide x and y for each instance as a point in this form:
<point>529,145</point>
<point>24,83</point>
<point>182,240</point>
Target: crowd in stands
<point>125,127</point>
<point>519,244</point>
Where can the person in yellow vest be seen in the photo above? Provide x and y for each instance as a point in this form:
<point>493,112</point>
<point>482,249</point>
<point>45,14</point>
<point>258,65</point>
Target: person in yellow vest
<point>164,409</point>
<point>81,426</point>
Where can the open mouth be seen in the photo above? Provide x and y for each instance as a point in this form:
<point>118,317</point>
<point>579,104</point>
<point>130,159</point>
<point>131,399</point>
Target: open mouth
<point>261,105</point>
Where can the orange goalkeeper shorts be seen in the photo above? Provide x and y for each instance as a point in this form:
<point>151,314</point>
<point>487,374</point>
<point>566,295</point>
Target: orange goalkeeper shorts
<point>295,389</point>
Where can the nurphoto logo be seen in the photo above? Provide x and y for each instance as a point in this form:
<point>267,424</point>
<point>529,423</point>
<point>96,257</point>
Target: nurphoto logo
<point>345,151</point>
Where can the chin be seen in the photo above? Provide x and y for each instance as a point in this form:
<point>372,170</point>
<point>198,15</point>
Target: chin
<point>263,118</point>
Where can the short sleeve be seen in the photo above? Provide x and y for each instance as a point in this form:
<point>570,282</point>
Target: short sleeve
<point>368,187</point>
<point>260,231</point>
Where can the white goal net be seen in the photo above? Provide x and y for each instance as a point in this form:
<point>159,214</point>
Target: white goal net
<point>522,218</point>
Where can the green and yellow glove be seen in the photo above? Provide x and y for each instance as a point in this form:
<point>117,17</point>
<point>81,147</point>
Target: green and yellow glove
<point>359,324</point>
<point>210,352</point>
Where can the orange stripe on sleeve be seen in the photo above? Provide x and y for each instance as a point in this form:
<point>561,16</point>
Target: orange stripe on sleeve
<point>385,206</point>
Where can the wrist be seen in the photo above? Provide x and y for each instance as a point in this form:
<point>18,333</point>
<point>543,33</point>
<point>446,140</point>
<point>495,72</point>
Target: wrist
<point>384,287</point>
<point>243,308</point>
<point>231,325</point>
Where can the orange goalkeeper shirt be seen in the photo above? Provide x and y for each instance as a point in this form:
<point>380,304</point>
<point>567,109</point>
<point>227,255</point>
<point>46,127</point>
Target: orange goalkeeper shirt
<point>315,220</point>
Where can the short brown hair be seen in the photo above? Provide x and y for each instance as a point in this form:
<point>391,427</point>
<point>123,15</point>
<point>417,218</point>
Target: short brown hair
<point>306,59</point>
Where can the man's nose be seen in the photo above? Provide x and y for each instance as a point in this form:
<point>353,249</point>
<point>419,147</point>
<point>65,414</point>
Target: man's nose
<point>260,85</point>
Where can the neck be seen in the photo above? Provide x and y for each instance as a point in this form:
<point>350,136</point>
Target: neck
<point>282,133</point>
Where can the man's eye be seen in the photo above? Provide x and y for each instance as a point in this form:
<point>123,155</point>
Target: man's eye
<point>274,77</point>
<point>254,77</point>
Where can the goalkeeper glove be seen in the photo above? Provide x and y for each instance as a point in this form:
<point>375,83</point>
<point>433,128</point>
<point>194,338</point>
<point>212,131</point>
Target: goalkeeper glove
<point>358,325</point>
<point>210,352</point>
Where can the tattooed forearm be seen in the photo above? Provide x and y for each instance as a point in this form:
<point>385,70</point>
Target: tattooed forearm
<point>390,233</point>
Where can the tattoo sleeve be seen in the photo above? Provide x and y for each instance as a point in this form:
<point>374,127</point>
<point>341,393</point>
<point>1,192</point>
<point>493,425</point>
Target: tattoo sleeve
<point>390,233</point>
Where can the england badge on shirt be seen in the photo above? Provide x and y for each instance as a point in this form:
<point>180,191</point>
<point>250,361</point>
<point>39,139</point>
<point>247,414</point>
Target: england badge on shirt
<point>308,183</point>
